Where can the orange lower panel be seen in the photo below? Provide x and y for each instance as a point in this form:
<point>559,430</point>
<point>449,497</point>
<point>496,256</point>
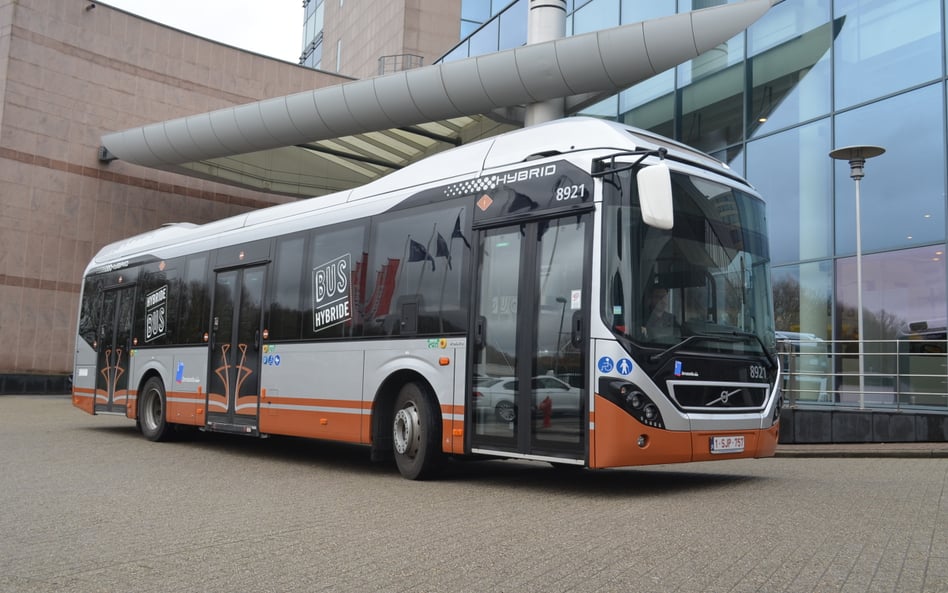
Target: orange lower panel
<point>452,429</point>
<point>84,399</point>
<point>615,441</point>
<point>336,426</point>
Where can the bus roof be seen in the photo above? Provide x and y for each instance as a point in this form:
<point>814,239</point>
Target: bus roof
<point>563,136</point>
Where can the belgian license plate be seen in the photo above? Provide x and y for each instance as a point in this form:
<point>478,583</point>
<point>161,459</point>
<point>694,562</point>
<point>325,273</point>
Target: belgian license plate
<point>731,444</point>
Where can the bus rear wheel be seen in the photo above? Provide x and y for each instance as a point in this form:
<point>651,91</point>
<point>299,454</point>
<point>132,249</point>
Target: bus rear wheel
<point>152,411</point>
<point>416,434</point>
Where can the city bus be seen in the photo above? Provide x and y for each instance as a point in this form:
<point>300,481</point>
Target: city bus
<point>491,301</point>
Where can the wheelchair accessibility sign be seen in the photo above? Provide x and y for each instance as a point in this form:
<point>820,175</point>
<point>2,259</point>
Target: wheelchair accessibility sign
<point>623,366</point>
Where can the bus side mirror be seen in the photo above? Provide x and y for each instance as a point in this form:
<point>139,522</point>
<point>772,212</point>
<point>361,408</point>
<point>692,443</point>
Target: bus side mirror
<point>655,196</point>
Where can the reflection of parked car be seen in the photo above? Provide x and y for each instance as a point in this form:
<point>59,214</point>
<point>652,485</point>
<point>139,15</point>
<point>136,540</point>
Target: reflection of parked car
<point>499,394</point>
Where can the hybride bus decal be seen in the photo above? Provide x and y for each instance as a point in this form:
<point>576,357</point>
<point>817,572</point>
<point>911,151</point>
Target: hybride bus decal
<point>331,293</point>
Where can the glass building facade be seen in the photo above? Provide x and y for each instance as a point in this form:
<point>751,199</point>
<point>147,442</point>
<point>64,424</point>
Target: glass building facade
<point>312,55</point>
<point>810,76</point>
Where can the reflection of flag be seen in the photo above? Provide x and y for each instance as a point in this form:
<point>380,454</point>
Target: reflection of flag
<point>522,202</point>
<point>457,234</point>
<point>417,252</point>
<point>443,250</point>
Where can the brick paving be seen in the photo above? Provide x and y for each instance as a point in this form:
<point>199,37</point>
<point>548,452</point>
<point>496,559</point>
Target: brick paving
<point>90,506</point>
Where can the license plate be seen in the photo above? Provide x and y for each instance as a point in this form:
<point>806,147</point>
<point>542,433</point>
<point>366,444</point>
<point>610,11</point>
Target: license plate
<point>732,444</point>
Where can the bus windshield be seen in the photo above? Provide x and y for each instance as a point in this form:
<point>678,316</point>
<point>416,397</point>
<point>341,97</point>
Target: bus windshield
<point>703,285</point>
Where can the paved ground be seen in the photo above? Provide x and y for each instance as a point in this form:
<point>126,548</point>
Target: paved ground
<point>90,506</point>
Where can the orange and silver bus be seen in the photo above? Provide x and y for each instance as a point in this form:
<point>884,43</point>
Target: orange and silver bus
<point>577,293</point>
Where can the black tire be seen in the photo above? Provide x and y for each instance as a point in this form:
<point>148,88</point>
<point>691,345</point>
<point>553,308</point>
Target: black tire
<point>416,433</point>
<point>152,411</point>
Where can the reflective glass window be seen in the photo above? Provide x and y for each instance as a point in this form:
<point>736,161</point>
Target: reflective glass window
<point>485,40</point>
<point>793,174</point>
<point>651,104</point>
<point>711,109</point>
<point>598,14</point>
<point>286,309</point>
<point>902,196</point>
<point>712,93</point>
<point>900,290</point>
<point>334,282</point>
<point>607,108</point>
<point>195,305</point>
<point>634,11</point>
<point>790,67</point>
<point>884,46</point>
<point>802,307</point>
<point>475,10</point>
<point>733,157</point>
<point>468,27</point>
<point>802,297</point>
<point>412,277</point>
<point>458,53</point>
<point>513,26</point>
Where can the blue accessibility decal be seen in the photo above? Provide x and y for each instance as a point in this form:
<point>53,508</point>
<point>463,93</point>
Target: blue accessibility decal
<point>624,366</point>
<point>605,365</point>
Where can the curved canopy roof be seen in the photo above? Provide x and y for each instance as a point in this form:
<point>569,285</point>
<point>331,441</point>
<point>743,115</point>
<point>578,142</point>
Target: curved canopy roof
<point>320,141</point>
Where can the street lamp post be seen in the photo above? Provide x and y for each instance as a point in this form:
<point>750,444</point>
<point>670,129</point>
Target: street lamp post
<point>857,156</point>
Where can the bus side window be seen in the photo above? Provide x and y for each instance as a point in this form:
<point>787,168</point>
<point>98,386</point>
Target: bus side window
<point>335,280</point>
<point>414,272</point>
<point>193,301</point>
<point>286,309</point>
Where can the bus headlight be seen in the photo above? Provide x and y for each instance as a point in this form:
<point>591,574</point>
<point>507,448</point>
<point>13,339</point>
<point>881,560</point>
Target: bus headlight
<point>633,400</point>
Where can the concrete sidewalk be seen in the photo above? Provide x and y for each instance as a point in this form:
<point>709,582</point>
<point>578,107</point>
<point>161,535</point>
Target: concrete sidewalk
<point>906,450</point>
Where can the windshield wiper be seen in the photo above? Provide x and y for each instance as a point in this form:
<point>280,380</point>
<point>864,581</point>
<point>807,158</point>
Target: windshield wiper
<point>731,336</point>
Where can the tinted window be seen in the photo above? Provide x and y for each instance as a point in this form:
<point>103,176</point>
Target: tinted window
<point>156,306</point>
<point>414,273</point>
<point>335,282</point>
<point>790,67</point>
<point>884,46</point>
<point>194,303</point>
<point>797,188</point>
<point>902,201</point>
<point>286,310</point>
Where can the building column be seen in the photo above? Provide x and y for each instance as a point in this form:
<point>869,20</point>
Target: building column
<point>546,21</point>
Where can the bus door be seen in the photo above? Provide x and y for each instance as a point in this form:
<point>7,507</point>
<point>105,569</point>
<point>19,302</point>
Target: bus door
<point>528,383</point>
<point>113,342</point>
<point>233,394</point>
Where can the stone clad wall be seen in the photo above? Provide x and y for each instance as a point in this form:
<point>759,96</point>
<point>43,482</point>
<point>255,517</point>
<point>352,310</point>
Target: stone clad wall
<point>69,74</point>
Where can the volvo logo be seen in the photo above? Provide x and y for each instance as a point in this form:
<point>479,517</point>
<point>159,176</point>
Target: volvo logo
<point>724,397</point>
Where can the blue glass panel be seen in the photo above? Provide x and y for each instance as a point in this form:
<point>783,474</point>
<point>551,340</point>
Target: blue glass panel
<point>898,288</point>
<point>468,27</point>
<point>802,297</point>
<point>597,15</point>
<point>790,72</point>
<point>484,41</point>
<point>475,10</point>
<point>513,25</point>
<point>634,11</point>
<point>458,53</point>
<point>903,192</point>
<point>712,108</point>
<point>651,104</point>
<point>607,108</point>
<point>786,22</point>
<point>794,175</point>
<point>884,46</point>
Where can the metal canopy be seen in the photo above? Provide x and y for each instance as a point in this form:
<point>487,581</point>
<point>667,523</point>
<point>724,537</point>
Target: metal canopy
<point>333,138</point>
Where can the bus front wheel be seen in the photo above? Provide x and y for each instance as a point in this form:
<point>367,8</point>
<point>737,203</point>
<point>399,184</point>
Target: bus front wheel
<point>416,434</point>
<point>152,411</point>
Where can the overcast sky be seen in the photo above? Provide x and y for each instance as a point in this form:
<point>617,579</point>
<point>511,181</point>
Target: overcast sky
<point>269,27</point>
